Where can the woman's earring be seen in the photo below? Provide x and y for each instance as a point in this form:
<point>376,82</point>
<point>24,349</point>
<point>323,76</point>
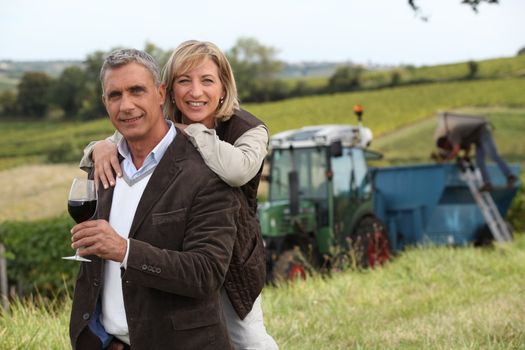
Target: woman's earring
<point>221,101</point>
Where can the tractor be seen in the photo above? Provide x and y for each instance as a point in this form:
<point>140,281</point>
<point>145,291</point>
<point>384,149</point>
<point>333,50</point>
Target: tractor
<point>320,202</point>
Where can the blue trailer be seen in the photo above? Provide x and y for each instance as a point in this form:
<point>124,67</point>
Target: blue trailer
<point>431,204</point>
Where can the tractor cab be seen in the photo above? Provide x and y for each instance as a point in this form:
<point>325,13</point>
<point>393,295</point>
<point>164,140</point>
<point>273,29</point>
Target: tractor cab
<point>319,190</point>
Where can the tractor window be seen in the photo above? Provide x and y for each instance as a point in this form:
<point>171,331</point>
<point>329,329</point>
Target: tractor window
<point>310,164</point>
<point>342,170</point>
<point>350,172</point>
<point>281,165</point>
<point>362,184</point>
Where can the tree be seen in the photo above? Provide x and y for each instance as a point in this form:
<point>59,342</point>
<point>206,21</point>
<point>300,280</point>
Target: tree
<point>255,68</point>
<point>345,78</point>
<point>71,91</point>
<point>395,78</point>
<point>473,68</point>
<point>33,93</point>
<point>521,51</point>
<point>8,104</point>
<point>160,55</point>
<point>93,107</point>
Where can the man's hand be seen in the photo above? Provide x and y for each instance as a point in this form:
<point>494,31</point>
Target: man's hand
<point>97,237</point>
<point>454,152</point>
<point>106,161</point>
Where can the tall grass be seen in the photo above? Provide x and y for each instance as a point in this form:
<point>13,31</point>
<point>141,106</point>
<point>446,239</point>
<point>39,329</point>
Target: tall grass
<point>426,298</point>
<point>35,325</point>
<point>431,298</point>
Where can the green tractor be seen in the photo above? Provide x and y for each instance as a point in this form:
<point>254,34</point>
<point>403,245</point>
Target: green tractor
<point>319,213</point>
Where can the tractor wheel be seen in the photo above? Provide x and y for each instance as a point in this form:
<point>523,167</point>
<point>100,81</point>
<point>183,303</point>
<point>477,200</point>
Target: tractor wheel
<point>290,265</point>
<point>370,245</point>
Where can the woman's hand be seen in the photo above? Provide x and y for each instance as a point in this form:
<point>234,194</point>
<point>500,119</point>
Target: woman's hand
<point>106,161</point>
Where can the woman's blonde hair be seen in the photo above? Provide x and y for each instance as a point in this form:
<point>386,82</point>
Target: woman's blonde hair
<point>189,55</point>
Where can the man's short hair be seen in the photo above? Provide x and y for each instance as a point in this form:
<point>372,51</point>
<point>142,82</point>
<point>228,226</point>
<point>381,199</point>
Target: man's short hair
<point>122,57</point>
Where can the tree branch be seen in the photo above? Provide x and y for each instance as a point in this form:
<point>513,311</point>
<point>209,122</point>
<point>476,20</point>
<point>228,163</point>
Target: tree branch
<point>472,3</point>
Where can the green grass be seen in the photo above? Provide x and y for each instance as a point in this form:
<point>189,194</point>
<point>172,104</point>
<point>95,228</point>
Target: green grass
<point>390,109</point>
<point>487,69</point>
<point>30,142</point>
<point>426,298</point>
<point>432,298</point>
<point>35,325</point>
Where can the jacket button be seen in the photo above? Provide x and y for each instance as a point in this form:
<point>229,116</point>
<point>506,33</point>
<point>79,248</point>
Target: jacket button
<point>144,267</point>
<point>157,270</point>
<point>85,316</point>
<point>95,283</point>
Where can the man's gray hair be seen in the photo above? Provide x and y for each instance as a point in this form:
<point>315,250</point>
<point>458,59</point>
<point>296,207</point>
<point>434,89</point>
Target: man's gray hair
<point>122,57</point>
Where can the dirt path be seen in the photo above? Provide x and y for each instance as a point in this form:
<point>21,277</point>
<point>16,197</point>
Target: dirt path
<point>36,191</point>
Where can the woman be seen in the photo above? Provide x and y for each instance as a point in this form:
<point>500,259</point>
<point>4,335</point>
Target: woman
<point>201,92</point>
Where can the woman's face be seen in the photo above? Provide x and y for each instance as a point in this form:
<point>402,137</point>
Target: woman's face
<point>197,93</point>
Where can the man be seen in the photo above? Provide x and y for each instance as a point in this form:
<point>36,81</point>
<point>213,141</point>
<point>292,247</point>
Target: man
<point>458,132</point>
<point>162,243</point>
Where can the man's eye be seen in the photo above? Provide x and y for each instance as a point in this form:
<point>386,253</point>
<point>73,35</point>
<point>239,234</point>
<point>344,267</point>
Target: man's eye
<point>137,90</point>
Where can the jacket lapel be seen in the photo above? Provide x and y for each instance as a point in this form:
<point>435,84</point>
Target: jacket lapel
<point>105,198</point>
<point>165,173</point>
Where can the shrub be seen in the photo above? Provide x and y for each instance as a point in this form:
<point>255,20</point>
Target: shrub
<point>516,214</point>
<point>34,250</point>
<point>64,152</point>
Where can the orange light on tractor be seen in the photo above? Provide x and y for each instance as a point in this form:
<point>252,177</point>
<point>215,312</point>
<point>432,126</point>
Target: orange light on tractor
<point>358,109</point>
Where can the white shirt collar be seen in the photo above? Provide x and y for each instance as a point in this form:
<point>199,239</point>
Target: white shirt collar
<point>152,159</point>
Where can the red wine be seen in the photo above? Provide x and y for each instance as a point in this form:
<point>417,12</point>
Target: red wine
<point>81,210</point>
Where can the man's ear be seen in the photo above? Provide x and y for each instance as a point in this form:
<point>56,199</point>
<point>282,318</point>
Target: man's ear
<point>162,94</point>
<point>103,98</point>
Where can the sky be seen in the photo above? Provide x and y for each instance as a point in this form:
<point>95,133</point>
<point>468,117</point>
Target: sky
<point>384,32</point>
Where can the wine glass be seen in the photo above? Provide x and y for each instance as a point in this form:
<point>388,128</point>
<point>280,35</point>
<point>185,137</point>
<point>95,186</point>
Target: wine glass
<point>81,205</point>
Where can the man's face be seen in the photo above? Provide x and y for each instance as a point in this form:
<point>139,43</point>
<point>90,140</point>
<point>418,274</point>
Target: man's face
<point>134,103</point>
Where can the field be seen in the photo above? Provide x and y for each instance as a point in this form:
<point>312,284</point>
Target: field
<point>385,111</point>
<point>35,192</point>
<point>402,119</point>
<point>432,298</point>
<point>390,109</point>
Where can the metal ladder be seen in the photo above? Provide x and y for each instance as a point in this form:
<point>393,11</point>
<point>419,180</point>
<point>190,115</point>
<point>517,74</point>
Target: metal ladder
<point>498,227</point>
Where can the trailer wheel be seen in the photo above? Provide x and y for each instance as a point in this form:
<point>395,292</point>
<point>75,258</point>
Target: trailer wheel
<point>370,243</point>
<point>484,237</point>
<point>290,265</point>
